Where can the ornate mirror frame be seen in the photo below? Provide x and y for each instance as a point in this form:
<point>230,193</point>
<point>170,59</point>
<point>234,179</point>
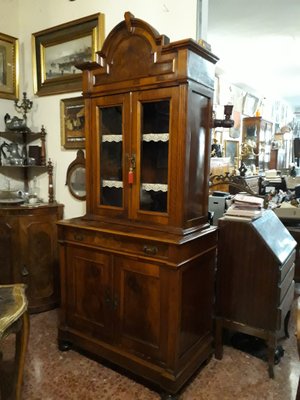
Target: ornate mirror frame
<point>76,176</point>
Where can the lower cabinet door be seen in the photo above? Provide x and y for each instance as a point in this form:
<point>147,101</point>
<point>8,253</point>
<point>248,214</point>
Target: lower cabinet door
<point>8,250</point>
<point>38,266</point>
<point>90,303</point>
<point>142,321</point>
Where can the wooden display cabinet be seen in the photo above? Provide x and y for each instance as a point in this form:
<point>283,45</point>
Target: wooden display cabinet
<point>28,233</point>
<point>137,271</point>
<point>258,133</point>
<point>28,252</point>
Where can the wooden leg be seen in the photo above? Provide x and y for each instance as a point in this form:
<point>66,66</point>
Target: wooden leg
<point>286,324</point>
<point>219,339</point>
<point>272,344</point>
<point>21,346</point>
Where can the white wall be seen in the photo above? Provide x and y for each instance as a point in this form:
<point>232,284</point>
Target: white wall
<point>176,19</point>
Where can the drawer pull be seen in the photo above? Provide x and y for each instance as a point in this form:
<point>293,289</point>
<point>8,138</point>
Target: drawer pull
<point>150,250</point>
<point>78,236</point>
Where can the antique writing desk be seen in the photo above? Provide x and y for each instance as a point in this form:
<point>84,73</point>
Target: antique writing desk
<point>254,284</point>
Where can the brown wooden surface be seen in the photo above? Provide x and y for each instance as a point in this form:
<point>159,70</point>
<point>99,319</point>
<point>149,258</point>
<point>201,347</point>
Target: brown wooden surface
<point>14,319</point>
<point>137,285</point>
<point>254,285</point>
<point>28,252</point>
<point>295,232</point>
<point>149,314</point>
<point>190,120</point>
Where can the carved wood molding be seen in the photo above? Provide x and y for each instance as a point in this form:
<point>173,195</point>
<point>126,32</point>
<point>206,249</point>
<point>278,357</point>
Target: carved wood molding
<point>238,182</point>
<point>234,180</point>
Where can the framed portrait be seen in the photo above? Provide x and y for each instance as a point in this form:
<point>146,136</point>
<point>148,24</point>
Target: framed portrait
<point>72,119</point>
<point>9,67</point>
<point>57,51</point>
<point>232,150</point>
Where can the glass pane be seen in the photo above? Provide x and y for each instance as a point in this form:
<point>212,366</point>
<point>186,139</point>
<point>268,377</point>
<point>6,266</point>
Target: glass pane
<point>111,157</point>
<point>154,156</point>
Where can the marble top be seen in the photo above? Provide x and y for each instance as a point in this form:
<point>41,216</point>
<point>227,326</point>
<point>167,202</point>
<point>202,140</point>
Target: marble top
<point>13,303</point>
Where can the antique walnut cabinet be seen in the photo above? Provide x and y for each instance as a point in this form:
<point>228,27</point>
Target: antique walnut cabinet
<point>28,252</point>
<point>28,232</point>
<point>137,271</point>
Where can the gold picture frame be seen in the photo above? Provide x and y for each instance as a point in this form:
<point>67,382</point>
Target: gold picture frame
<point>72,119</point>
<point>9,67</point>
<point>232,150</point>
<point>57,50</point>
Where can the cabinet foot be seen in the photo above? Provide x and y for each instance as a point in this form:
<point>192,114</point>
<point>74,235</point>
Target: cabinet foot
<point>168,396</point>
<point>219,340</point>
<point>271,371</point>
<point>64,345</point>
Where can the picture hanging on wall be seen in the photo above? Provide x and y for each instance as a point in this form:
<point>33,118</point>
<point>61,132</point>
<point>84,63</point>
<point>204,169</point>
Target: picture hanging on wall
<point>72,120</point>
<point>9,60</point>
<point>250,105</point>
<point>57,51</point>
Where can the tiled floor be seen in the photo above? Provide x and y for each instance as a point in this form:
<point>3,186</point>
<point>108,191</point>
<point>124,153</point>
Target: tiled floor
<point>53,375</point>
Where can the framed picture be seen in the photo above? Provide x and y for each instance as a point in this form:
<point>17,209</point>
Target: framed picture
<point>72,123</point>
<point>9,67</point>
<point>232,150</point>
<point>57,51</point>
<point>250,105</point>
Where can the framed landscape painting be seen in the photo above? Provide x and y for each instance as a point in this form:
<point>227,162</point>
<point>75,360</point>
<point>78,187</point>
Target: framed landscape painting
<point>9,67</point>
<point>57,51</point>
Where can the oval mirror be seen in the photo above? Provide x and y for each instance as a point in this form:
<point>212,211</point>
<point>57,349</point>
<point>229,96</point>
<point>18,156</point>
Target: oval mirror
<point>76,177</point>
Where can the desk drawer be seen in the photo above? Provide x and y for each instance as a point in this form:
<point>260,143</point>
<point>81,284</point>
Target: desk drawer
<point>287,266</point>
<point>284,286</point>
<point>285,306</point>
<point>117,243</point>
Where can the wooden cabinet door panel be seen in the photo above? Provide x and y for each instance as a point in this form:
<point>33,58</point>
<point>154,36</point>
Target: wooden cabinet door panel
<point>90,303</point>
<point>7,251</point>
<point>138,289</point>
<point>38,262</point>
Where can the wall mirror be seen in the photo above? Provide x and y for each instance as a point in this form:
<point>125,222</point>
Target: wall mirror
<point>76,176</point>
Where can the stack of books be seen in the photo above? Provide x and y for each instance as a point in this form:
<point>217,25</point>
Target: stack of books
<point>272,176</point>
<point>245,207</point>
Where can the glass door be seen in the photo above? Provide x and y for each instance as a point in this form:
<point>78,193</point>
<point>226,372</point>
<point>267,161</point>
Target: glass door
<point>109,143</point>
<point>154,150</point>
<point>111,156</point>
<point>152,129</point>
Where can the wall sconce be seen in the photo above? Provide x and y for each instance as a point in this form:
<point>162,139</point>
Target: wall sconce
<point>226,122</point>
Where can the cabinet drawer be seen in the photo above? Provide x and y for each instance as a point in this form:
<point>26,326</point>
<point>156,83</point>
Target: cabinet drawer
<point>118,243</point>
<point>284,286</point>
<point>285,306</point>
<point>287,266</point>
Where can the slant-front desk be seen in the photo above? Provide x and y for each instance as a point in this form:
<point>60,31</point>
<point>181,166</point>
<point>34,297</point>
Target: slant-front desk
<point>255,286</point>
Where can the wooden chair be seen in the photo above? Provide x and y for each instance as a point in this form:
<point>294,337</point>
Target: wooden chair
<point>14,319</point>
